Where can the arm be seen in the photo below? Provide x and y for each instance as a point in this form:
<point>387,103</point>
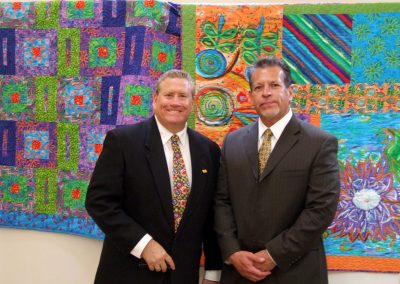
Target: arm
<point>104,201</point>
<point>225,226</point>
<point>320,207</point>
<point>105,197</point>
<point>212,253</point>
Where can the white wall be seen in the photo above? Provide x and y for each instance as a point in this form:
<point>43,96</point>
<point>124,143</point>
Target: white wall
<point>33,257</point>
<point>30,257</point>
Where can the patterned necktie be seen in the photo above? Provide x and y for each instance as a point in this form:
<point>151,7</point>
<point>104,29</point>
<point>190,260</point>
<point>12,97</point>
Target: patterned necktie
<point>265,150</point>
<point>180,187</point>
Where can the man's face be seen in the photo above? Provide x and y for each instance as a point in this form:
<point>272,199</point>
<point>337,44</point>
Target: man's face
<point>269,95</point>
<point>173,104</point>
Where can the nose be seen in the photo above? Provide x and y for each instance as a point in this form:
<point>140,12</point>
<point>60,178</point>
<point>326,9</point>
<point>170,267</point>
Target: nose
<point>267,91</point>
<point>176,100</point>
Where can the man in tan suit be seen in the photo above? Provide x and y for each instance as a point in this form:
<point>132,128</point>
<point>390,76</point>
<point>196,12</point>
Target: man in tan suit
<point>277,191</point>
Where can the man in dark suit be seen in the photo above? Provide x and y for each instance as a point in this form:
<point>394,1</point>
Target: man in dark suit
<point>151,193</point>
<point>277,191</point>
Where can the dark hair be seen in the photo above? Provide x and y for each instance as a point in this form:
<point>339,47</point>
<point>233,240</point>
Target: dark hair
<point>270,61</point>
<point>175,73</point>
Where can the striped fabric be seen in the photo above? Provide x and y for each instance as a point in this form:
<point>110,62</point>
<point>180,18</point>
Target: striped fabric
<point>318,48</point>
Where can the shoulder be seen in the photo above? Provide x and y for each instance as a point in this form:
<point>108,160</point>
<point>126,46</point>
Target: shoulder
<point>239,133</point>
<point>202,139</point>
<point>314,131</point>
<point>131,130</point>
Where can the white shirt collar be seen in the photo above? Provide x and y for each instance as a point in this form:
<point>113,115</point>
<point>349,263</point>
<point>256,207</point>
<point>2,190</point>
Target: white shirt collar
<point>166,134</point>
<point>277,128</point>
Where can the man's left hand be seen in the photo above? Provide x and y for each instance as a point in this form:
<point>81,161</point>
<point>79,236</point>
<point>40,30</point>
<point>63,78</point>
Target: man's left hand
<point>205,281</point>
<point>268,264</point>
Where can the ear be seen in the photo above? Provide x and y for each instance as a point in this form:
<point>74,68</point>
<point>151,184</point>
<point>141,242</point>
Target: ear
<point>250,96</point>
<point>290,92</point>
<point>155,97</point>
<point>192,104</point>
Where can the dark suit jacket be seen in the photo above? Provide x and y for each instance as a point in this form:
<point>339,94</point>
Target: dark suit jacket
<point>129,195</point>
<point>285,209</point>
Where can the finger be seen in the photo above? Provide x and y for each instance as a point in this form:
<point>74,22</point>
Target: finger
<point>170,262</point>
<point>258,273</point>
<point>151,267</point>
<point>163,266</point>
<point>257,278</point>
<point>158,268</point>
<point>256,258</point>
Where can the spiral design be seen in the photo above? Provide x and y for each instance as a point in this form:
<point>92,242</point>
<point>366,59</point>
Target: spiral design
<point>215,106</point>
<point>210,63</point>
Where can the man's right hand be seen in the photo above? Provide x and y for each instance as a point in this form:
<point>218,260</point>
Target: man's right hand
<point>157,258</point>
<point>244,262</point>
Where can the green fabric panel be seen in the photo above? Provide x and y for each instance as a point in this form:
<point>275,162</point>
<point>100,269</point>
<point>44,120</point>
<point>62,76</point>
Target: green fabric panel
<point>341,8</point>
<point>43,21</point>
<point>63,161</point>
<point>189,47</point>
<point>46,191</point>
<point>46,109</point>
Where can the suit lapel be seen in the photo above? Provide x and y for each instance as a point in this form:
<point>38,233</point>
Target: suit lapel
<point>250,142</point>
<point>199,179</point>
<point>159,168</point>
<point>287,140</point>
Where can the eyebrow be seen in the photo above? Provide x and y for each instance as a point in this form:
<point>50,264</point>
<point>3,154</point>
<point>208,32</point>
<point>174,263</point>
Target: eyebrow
<point>263,83</point>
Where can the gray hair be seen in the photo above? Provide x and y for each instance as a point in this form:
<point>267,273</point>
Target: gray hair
<point>175,73</point>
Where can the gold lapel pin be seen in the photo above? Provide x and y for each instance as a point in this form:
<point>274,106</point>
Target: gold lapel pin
<point>204,171</point>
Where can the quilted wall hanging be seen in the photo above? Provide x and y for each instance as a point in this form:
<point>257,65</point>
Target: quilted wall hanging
<point>71,71</point>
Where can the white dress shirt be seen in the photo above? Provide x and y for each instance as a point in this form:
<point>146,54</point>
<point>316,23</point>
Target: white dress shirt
<point>166,135</point>
<point>276,129</point>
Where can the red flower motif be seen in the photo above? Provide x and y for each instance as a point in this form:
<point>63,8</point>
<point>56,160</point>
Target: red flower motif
<point>80,5</point>
<point>15,188</point>
<point>15,98</point>
<point>136,100</point>
<point>36,144</point>
<point>78,100</point>
<point>162,57</point>
<point>102,51</point>
<point>76,193</point>
<point>241,97</point>
<point>17,5</point>
<point>149,3</point>
<point>98,147</point>
<point>35,51</point>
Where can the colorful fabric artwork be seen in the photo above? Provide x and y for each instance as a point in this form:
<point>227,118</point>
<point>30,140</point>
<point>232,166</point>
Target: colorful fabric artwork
<point>376,42</point>
<point>364,235</point>
<point>318,48</point>
<point>358,98</point>
<point>345,69</point>
<point>69,72</point>
<point>72,70</point>
<point>229,39</point>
